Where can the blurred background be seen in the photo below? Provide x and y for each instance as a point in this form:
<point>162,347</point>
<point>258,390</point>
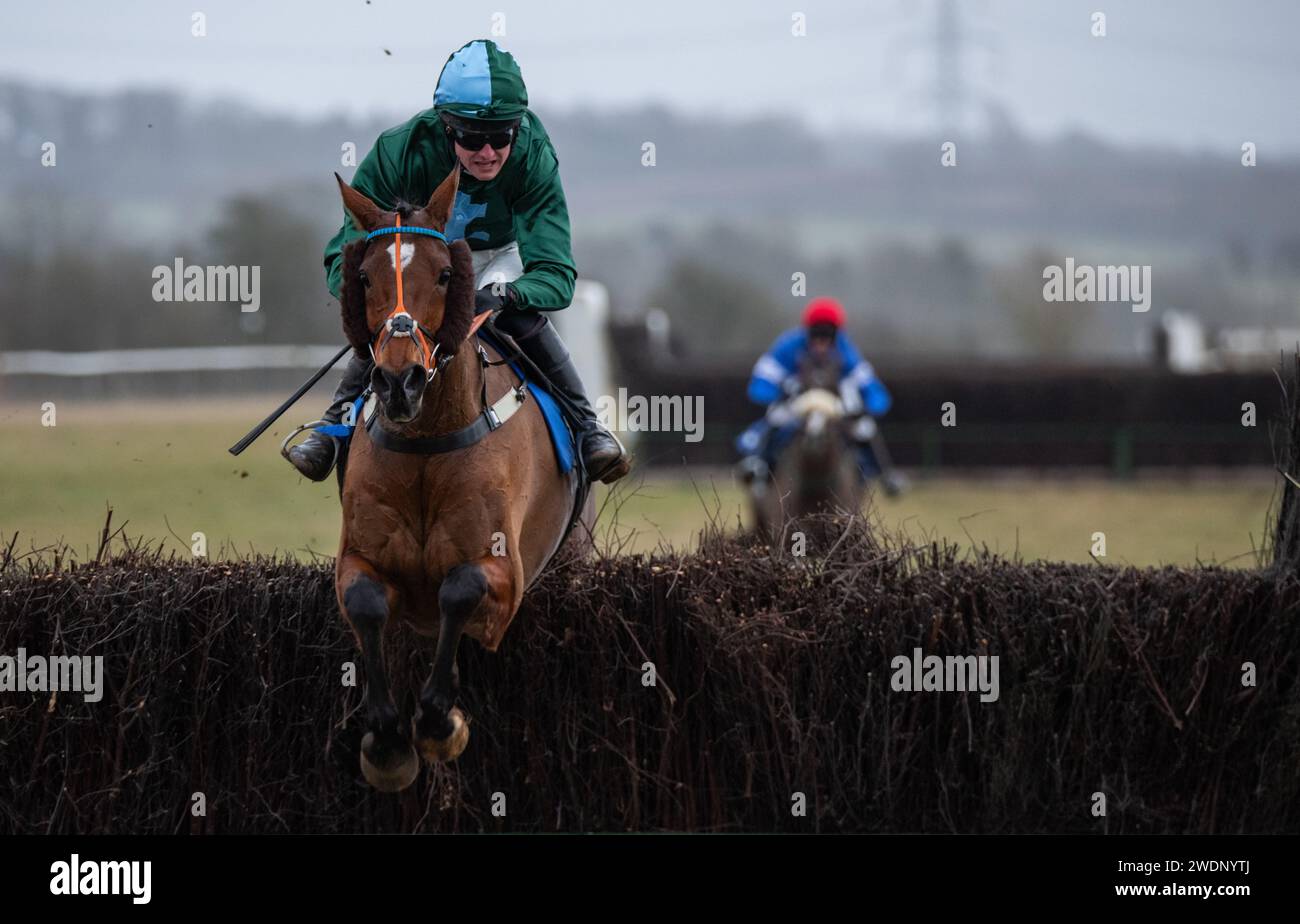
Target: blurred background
<point>785,142</point>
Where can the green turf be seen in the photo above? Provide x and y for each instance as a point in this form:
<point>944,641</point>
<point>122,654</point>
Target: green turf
<point>172,476</point>
<point>1145,522</point>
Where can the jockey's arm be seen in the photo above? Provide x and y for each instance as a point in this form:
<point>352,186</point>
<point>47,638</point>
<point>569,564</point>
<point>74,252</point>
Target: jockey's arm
<point>541,219</point>
<point>859,380</point>
<point>767,383</point>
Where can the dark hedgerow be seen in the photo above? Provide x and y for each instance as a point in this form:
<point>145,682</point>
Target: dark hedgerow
<point>773,678</point>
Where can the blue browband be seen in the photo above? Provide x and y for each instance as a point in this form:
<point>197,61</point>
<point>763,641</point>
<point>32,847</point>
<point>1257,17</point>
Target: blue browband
<point>408,229</point>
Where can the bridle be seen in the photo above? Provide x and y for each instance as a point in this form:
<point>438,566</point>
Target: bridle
<point>399,322</point>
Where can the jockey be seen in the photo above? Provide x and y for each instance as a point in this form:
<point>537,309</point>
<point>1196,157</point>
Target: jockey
<point>776,378</point>
<point>510,209</point>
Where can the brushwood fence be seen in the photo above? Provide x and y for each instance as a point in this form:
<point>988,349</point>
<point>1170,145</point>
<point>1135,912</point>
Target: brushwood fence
<point>772,679</point>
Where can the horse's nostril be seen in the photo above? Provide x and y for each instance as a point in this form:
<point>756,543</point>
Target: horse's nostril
<point>413,378</point>
<point>394,387</point>
<point>381,383</point>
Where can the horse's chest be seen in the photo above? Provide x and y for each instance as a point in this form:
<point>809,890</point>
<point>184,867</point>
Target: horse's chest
<point>421,541</point>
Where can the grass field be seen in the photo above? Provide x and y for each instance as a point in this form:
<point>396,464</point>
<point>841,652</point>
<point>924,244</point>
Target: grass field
<point>164,469</point>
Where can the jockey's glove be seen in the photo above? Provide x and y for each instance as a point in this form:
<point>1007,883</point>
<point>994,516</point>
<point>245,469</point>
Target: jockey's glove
<point>494,297</point>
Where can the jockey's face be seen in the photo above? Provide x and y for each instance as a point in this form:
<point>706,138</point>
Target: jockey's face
<point>483,164</point>
<point>820,341</point>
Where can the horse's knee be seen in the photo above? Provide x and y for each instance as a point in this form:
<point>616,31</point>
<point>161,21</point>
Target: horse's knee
<point>462,590</point>
<point>366,604</point>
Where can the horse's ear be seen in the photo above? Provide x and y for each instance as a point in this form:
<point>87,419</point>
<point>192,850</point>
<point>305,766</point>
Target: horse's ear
<point>365,214</point>
<point>443,199</point>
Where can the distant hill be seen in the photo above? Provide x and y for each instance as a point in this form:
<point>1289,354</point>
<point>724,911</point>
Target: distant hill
<point>911,244</point>
<point>154,147</point>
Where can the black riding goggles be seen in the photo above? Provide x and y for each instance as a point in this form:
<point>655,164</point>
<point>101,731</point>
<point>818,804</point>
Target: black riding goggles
<point>472,140</point>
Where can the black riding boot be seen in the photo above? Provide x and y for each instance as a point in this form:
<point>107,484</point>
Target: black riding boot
<point>604,456</point>
<point>314,456</point>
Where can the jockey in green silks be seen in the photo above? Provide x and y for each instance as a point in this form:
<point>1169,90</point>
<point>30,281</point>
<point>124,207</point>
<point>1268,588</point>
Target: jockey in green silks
<point>510,209</point>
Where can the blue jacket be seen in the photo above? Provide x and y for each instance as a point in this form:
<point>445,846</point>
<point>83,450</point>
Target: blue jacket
<point>767,382</point>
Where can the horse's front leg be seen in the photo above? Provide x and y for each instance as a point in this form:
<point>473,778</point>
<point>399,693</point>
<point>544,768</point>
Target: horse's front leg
<point>388,760</point>
<point>440,729</point>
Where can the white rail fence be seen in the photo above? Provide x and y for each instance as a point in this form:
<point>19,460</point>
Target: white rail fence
<point>177,359</point>
<point>583,325</point>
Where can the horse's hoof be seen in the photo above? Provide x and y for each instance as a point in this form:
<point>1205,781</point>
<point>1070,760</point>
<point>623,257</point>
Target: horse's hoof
<point>442,750</point>
<point>392,775</point>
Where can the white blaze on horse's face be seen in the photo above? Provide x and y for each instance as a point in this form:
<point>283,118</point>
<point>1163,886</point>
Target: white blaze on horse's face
<point>408,252</point>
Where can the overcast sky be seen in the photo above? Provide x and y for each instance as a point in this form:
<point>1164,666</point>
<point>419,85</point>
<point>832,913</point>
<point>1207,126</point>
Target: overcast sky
<point>1186,73</point>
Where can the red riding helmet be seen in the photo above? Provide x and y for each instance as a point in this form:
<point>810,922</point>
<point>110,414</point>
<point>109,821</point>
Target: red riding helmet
<point>824,310</point>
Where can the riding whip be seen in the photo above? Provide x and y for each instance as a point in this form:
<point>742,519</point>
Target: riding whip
<point>278,412</point>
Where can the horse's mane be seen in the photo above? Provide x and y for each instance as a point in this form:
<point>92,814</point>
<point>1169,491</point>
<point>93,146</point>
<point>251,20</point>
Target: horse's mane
<point>458,312</point>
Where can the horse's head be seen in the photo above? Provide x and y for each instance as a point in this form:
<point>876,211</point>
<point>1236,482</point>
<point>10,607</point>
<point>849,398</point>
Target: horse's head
<point>819,411</point>
<point>408,294</point>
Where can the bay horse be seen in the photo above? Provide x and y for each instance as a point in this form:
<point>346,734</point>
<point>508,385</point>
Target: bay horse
<point>448,512</point>
<point>817,471</point>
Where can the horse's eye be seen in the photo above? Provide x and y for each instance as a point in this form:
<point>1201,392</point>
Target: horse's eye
<point>445,276</point>
<point>365,278</point>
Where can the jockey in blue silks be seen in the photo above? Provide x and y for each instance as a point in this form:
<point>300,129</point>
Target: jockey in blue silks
<point>776,378</point>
